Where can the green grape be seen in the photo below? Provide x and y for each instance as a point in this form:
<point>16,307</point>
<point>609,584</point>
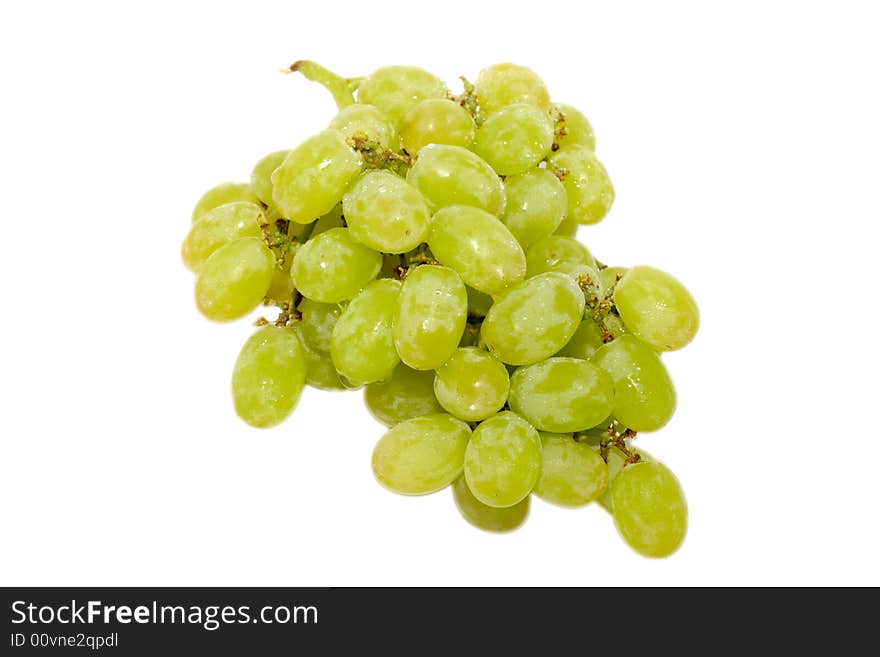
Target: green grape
<point>536,205</point>
<point>452,175</point>
<point>220,195</point>
<point>318,320</point>
<point>577,128</point>
<point>268,377</point>
<point>587,185</point>
<point>504,84</point>
<point>430,316</point>
<point>649,509</point>
<point>320,372</point>
<point>585,341</point>
<point>587,279</point>
<point>515,138</point>
<point>568,227</point>
<point>217,227</point>
<point>333,267</point>
<point>421,455</point>
<point>361,346</point>
<point>437,121</point>
<point>472,384</point>
<point>314,176</point>
<point>657,308</point>
<point>395,90</point>
<point>366,122</point>
<point>386,213</point>
<point>644,397</point>
<point>562,394</point>
<point>408,393</point>
<point>477,246</point>
<point>616,461</point>
<point>281,289</point>
<point>478,302</point>
<point>234,279</point>
<point>488,518</point>
<point>572,473</point>
<point>503,460</point>
<point>261,176</point>
<point>613,325</point>
<point>534,319</point>
<point>332,219</point>
<point>551,252</point>
<point>609,276</point>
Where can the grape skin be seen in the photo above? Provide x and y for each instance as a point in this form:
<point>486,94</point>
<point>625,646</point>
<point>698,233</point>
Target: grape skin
<point>234,279</point>
<point>587,185</point>
<point>472,384</point>
<point>366,121</point>
<point>261,176</point>
<point>408,393</point>
<point>451,175</point>
<point>395,90</point>
<point>536,205</point>
<point>549,253</point>
<point>488,518</point>
<point>317,322</point>
<point>578,128</point>
<point>572,473</point>
<point>515,138</point>
<point>504,84</point>
<point>437,121</point>
<point>222,194</point>
<point>333,267</point>
<point>217,227</point>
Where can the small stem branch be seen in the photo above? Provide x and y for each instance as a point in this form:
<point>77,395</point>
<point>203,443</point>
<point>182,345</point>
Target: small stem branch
<point>339,87</point>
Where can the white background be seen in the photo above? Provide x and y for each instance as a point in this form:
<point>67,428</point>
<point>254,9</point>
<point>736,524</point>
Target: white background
<point>743,141</point>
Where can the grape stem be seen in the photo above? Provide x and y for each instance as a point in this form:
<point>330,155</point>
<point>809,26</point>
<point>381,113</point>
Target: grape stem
<point>377,157</point>
<point>468,100</point>
<point>560,129</point>
<point>340,88</point>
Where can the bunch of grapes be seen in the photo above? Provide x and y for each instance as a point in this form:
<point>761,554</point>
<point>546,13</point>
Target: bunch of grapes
<point>422,248</point>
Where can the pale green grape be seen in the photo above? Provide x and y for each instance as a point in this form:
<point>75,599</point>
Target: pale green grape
<point>610,275</point>
<point>472,384</point>
<point>437,121</point>
<point>613,325</point>
<point>478,302</point>
<point>515,138</point>
<point>386,213</point>
<point>616,461</point>
<point>318,320</point>
<point>421,455</point>
<point>504,84</point>
<point>568,227</point>
<point>488,518</point>
<point>478,246</point>
<point>572,473</point>
<point>314,176</point>
<point>536,205</point>
<point>408,393</point>
<point>333,267</point>
<point>502,462</point>
<point>430,316</point>
<point>332,219</point>
<point>452,175</point>
<point>320,372</point>
<point>395,90</point>
<point>268,377</point>
<point>585,341</point>
<point>261,176</point>
<point>577,128</point>
<point>361,345</point>
<point>220,195</point>
<point>587,185</point>
<point>644,397</point>
<point>549,253</point>
<point>217,227</point>
<point>366,122</point>
<point>534,319</point>
<point>562,394</point>
<point>281,289</point>
<point>649,509</point>
<point>657,308</point>
<point>234,279</point>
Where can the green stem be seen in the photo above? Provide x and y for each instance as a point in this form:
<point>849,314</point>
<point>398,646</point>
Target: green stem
<point>338,86</point>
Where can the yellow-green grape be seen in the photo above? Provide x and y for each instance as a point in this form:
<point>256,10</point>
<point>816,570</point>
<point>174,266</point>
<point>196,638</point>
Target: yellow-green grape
<point>549,253</point>
<point>610,275</point>
<point>488,518</point>
<point>657,308</point>
<point>234,279</point>
<point>261,176</point>
<point>318,320</point>
<point>366,122</point>
<point>616,461</point>
<point>421,455</point>
<point>587,185</point>
<point>568,227</point>
<point>333,267</point>
<point>649,509</point>
<point>562,394</point>
<point>572,473</point>
<point>478,302</point>
<point>361,345</point>
<point>281,289</point>
<point>502,462</point>
<point>320,372</point>
<point>395,90</point>
<point>613,325</point>
<point>534,319</point>
<point>332,219</point>
<point>268,377</point>
<point>314,176</point>
<point>452,175</point>
<point>217,227</point>
<point>386,213</point>
<point>644,397</point>
<point>478,246</point>
<point>585,341</point>
<point>472,384</point>
<point>577,128</point>
<point>430,316</point>
<point>515,138</point>
<point>504,84</point>
<point>220,195</point>
<point>536,205</point>
<point>437,121</point>
<point>408,393</point>
<point>586,277</point>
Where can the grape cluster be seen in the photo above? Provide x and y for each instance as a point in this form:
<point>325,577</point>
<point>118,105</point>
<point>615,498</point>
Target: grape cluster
<point>422,248</point>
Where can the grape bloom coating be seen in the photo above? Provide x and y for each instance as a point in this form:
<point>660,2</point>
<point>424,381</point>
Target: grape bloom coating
<point>422,247</point>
